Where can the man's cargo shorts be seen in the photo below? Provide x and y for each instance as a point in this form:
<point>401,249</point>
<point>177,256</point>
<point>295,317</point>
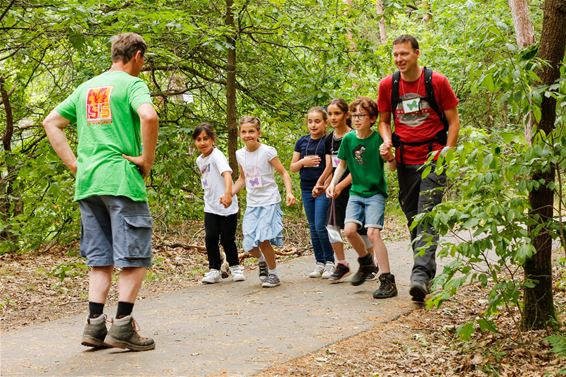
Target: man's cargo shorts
<point>115,231</point>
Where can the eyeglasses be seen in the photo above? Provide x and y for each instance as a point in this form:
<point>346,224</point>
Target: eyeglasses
<point>359,116</point>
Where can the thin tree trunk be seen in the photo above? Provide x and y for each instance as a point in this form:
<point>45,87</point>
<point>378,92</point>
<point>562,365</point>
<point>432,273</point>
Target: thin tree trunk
<point>539,309</point>
<point>379,12</point>
<point>7,208</point>
<point>7,137</point>
<point>231,89</point>
<point>524,31</point>
<point>525,36</point>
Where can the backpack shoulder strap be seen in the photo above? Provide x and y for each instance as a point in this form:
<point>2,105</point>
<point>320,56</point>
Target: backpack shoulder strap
<point>431,99</point>
<point>395,91</point>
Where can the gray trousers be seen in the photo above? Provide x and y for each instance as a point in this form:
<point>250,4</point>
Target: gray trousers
<point>418,195</point>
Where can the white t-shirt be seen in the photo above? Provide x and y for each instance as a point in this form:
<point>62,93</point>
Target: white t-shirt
<point>211,168</point>
<point>261,187</point>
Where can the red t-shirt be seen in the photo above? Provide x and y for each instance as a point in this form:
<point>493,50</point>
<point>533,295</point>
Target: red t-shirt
<point>414,121</point>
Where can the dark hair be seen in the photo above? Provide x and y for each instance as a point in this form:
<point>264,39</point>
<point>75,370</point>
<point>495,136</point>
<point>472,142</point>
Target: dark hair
<point>250,119</point>
<point>365,103</point>
<point>125,46</point>
<point>341,104</point>
<point>407,38</point>
<point>318,109</point>
<point>204,127</point>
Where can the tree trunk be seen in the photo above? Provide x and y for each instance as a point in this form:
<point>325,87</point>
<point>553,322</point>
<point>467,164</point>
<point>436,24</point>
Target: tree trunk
<point>379,12</point>
<point>525,36</point>
<point>8,206</point>
<point>539,307</point>
<point>524,31</point>
<point>231,116</point>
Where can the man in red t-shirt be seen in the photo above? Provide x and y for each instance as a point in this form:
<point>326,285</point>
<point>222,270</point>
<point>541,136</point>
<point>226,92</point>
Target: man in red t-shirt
<point>417,130</point>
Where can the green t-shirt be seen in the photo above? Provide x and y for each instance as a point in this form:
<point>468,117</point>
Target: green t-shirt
<point>105,111</point>
<point>365,164</point>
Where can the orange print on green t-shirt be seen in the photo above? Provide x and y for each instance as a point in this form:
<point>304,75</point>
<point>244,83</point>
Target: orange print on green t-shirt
<point>98,105</point>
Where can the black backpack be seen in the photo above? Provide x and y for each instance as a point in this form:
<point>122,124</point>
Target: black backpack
<point>441,137</point>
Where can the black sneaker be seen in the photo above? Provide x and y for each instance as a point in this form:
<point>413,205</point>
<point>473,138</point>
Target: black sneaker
<point>418,291</point>
<point>387,287</point>
<point>366,268</point>
<point>373,275</point>
<point>340,272</point>
<point>263,271</point>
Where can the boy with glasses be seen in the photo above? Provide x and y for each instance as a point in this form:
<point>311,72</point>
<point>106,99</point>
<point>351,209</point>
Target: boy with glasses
<point>360,153</point>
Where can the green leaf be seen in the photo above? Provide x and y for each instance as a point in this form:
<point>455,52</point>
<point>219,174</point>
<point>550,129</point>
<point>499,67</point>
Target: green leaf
<point>487,325</point>
<point>465,331</point>
<point>523,252</point>
<point>426,171</point>
<point>488,83</point>
<point>537,113</point>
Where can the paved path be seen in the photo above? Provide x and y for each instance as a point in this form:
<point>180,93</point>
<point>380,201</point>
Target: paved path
<point>232,328</point>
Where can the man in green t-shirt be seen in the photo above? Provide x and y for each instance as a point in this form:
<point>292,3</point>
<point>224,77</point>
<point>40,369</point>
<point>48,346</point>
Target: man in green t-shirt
<point>117,134</point>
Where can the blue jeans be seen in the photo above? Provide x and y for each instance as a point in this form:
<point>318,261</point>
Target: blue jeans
<point>316,210</point>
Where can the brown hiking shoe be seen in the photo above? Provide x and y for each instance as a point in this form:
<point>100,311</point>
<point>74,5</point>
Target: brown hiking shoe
<point>387,287</point>
<point>124,334</point>
<point>95,332</point>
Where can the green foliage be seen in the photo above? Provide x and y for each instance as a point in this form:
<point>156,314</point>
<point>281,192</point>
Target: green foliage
<point>291,55</point>
<point>558,344</point>
<point>70,269</point>
<point>286,63</point>
<point>492,171</point>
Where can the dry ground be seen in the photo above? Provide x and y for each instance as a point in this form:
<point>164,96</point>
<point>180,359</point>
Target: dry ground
<point>51,284</point>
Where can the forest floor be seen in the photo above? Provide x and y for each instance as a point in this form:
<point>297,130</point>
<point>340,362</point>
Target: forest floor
<point>52,284</point>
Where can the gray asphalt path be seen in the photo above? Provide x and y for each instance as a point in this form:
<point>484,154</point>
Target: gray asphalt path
<point>233,328</point>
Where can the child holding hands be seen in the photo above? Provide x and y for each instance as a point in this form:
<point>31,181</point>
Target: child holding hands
<point>220,206</point>
<point>359,152</point>
<point>262,226</point>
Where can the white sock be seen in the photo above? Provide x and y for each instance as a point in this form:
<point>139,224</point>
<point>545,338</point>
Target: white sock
<point>261,258</point>
<point>274,271</point>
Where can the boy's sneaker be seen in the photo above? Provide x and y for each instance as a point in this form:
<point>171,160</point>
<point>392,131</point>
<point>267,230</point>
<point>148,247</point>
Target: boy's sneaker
<point>373,275</point>
<point>212,276</point>
<point>124,334</point>
<point>328,270</point>
<point>271,281</point>
<point>418,291</point>
<point>95,331</point>
<point>318,270</point>
<point>340,272</point>
<point>387,287</point>
<point>263,271</point>
<point>237,273</point>
<point>366,268</point>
